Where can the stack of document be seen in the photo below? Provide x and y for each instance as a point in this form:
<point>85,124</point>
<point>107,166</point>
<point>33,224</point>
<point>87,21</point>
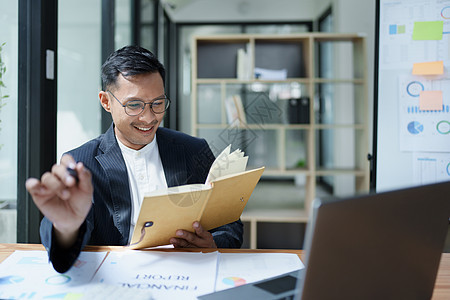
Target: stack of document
<point>29,275</point>
<point>137,274</point>
<point>268,74</point>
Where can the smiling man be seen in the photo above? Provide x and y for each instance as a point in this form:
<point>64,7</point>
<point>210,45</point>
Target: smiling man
<point>100,205</point>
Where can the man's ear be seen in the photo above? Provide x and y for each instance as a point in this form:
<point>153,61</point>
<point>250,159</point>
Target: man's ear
<point>104,100</point>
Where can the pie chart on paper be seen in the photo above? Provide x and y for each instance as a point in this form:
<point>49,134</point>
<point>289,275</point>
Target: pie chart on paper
<point>234,281</point>
<point>415,127</point>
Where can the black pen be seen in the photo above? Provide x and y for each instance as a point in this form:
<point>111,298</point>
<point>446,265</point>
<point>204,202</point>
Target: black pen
<point>73,173</point>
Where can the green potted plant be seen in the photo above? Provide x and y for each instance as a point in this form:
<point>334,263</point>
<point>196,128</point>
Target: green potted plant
<point>2,85</point>
<point>3,204</point>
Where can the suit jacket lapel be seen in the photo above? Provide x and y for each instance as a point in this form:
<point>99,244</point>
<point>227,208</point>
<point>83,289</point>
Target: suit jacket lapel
<point>111,160</point>
<point>115,169</point>
<point>172,157</point>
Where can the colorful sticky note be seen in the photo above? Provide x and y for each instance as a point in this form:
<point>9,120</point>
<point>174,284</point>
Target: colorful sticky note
<point>392,29</point>
<point>430,100</point>
<point>428,30</point>
<point>73,296</point>
<point>428,68</point>
<point>401,29</point>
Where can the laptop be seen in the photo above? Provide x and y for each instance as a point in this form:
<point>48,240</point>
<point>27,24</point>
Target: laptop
<point>376,246</point>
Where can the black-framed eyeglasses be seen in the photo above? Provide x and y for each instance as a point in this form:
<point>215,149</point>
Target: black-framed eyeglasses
<point>136,107</point>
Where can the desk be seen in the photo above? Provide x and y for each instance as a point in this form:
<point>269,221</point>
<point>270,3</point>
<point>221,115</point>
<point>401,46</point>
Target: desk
<point>441,289</point>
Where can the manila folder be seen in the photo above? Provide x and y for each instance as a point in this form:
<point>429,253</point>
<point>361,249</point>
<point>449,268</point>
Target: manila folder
<point>216,205</point>
<point>228,198</point>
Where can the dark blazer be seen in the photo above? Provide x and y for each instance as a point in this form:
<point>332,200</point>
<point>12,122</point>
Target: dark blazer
<point>185,160</point>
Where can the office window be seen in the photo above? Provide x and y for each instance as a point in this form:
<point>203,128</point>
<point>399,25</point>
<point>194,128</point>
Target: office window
<point>122,35</point>
<point>8,120</point>
<point>148,25</point>
<point>79,62</point>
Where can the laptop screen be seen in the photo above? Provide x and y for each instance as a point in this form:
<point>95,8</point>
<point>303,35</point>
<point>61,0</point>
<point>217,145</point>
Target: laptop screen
<point>376,246</point>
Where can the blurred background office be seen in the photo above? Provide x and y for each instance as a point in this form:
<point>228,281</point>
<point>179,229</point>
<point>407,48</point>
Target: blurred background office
<point>52,52</point>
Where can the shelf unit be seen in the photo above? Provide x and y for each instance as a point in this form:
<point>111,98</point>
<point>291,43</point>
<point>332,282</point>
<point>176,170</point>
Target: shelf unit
<point>289,140</point>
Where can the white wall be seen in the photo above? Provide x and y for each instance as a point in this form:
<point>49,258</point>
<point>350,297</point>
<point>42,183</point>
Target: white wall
<point>353,16</point>
<point>241,10</point>
<point>320,6</point>
<point>359,16</point>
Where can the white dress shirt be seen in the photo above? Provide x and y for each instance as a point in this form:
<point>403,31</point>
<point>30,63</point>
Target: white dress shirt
<point>145,174</point>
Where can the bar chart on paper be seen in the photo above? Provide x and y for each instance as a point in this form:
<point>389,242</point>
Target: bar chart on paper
<point>416,110</point>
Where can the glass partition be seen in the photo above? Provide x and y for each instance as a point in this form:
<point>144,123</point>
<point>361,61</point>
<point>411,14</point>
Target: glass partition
<point>8,119</point>
<point>79,62</point>
<point>122,34</point>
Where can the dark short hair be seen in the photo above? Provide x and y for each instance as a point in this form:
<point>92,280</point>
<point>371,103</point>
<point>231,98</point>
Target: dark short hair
<point>130,61</point>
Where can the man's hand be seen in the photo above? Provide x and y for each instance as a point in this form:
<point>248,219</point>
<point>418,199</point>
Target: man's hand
<point>199,239</point>
<point>63,200</point>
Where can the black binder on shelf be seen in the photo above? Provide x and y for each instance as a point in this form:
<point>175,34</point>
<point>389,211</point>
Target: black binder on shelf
<point>298,111</point>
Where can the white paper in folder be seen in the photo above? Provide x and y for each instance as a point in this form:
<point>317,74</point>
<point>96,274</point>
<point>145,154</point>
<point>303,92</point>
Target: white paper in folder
<point>227,163</point>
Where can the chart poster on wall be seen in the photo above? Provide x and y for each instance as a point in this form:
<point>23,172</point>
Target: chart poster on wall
<point>413,93</point>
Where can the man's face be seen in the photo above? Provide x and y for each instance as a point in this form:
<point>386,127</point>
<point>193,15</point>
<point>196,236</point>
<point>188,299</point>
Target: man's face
<point>134,131</point>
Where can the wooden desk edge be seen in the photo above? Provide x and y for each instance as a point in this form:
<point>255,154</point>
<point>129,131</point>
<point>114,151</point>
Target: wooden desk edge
<point>7,249</point>
<point>441,289</point>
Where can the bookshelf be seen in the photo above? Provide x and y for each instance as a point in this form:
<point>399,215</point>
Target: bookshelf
<point>302,122</point>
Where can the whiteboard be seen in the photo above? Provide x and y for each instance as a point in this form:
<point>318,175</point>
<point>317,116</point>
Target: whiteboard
<point>412,93</point>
